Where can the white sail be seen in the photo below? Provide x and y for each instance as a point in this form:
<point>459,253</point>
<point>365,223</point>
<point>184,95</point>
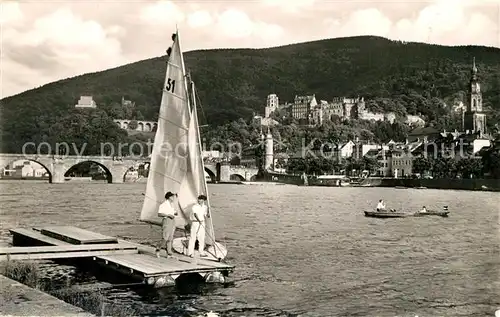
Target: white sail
<point>169,159</point>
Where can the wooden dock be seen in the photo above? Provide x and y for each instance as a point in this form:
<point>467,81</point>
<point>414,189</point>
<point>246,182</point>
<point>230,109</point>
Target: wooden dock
<point>132,259</point>
<point>64,251</point>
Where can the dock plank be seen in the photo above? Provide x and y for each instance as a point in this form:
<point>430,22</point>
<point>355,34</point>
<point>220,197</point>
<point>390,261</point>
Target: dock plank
<point>76,235</point>
<point>151,266</point>
<point>65,248</point>
<point>35,236</point>
<point>63,252</point>
<point>151,251</point>
<point>64,255</point>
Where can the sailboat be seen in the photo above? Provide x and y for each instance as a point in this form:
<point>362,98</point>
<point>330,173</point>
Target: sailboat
<point>176,159</point>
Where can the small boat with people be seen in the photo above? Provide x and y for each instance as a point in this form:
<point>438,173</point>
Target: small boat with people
<point>382,212</point>
<point>387,214</point>
<point>425,212</point>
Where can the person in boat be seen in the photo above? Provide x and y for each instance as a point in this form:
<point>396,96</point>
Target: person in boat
<point>197,229</point>
<point>381,205</point>
<point>423,210</point>
<point>167,212</point>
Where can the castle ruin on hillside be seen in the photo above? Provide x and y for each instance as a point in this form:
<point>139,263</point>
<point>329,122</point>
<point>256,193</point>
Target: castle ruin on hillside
<point>307,110</point>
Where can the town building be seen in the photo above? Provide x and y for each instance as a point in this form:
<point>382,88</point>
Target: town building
<point>127,103</point>
<point>302,107</point>
<point>86,102</point>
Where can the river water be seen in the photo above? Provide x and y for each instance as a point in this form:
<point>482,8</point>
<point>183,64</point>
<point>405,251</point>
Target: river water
<point>305,251</point>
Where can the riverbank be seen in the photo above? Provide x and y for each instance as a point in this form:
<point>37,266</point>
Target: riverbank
<point>24,178</point>
<point>17,299</point>
<point>456,184</point>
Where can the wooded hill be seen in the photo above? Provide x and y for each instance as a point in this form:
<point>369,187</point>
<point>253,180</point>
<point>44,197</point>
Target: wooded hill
<point>233,83</point>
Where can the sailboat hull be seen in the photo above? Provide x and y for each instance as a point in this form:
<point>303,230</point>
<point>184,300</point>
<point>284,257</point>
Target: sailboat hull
<point>214,253</point>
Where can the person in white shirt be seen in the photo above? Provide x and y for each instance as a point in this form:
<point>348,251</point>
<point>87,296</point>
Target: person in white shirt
<point>197,232</point>
<point>423,210</point>
<point>168,213</point>
<point>380,205</point>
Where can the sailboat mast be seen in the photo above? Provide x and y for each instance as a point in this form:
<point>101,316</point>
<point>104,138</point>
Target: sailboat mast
<point>205,186</point>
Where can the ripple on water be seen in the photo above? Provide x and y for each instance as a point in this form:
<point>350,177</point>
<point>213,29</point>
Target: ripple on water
<point>299,251</point>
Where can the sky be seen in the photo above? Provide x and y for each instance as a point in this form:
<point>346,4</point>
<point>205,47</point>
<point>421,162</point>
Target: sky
<point>49,40</point>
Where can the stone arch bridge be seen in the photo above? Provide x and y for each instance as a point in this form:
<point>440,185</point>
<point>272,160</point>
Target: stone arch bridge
<point>57,166</point>
<point>117,167</point>
<point>143,126</point>
<point>225,173</point>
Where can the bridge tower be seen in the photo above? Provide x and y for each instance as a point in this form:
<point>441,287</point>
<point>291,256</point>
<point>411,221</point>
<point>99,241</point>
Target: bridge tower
<point>269,159</point>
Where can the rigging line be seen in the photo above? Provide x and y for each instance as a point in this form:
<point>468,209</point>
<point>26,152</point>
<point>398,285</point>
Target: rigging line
<point>175,95</point>
<point>173,65</point>
<point>170,177</point>
<point>151,198</point>
<point>211,238</point>
<point>173,123</point>
<point>201,108</point>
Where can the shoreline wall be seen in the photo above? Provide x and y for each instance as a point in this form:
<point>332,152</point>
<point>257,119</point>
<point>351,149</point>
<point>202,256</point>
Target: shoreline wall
<point>483,184</point>
<point>460,184</point>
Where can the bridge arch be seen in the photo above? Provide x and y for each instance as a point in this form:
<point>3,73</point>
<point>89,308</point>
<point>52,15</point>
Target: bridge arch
<point>236,177</point>
<point>213,177</point>
<point>34,161</point>
<point>109,175</point>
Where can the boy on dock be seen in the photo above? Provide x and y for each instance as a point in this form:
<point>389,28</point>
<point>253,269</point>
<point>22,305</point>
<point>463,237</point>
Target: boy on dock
<point>168,213</point>
<point>197,232</point>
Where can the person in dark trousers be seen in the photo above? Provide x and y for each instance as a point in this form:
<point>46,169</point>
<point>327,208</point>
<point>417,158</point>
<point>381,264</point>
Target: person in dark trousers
<point>168,213</point>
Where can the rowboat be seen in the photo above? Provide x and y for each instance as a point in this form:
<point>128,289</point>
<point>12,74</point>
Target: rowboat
<point>432,213</point>
<point>396,214</point>
<point>387,214</point>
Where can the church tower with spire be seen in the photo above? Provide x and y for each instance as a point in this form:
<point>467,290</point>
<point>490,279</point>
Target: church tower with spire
<point>474,120</point>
